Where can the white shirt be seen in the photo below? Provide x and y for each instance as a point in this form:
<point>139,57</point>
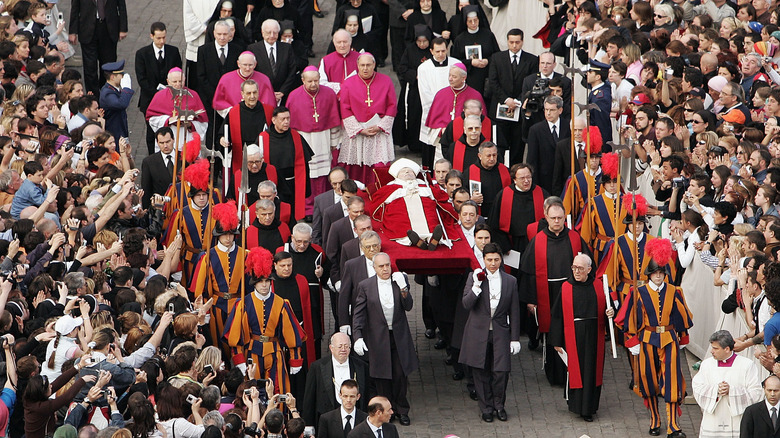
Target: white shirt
<point>386,299</point>
<point>494,283</point>
<point>224,248</point>
<point>336,197</point>
<point>219,51</point>
<point>655,288</point>
<point>513,55</point>
<point>157,51</point>
<point>469,233</point>
<point>167,158</point>
<point>374,429</point>
<point>370,267</point>
<point>557,126</point>
<point>344,418</point>
<point>770,407</point>
<point>268,48</point>
<point>262,298</point>
<point>340,374</point>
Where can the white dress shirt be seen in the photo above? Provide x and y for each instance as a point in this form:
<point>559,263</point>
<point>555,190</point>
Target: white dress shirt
<point>340,374</point>
<point>268,48</point>
<point>469,234</point>
<point>370,267</point>
<point>219,49</point>
<point>557,126</point>
<point>386,299</point>
<point>344,418</point>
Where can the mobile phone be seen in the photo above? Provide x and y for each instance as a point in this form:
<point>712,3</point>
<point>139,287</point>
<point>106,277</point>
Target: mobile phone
<point>248,392</point>
<point>48,18</point>
<point>208,369</point>
<point>249,361</point>
<point>308,431</point>
<point>171,307</point>
<point>191,398</point>
<point>60,17</point>
<point>282,398</point>
<point>261,383</point>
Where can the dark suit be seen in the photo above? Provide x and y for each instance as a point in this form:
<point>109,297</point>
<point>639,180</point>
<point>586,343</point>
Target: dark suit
<point>340,233</point>
<point>355,271</point>
<point>155,177</point>
<point>284,77</point>
<point>98,38</point>
<point>391,353</point>
<point>320,397</point>
<point>528,85</point>
<point>210,70</point>
<point>321,203</point>
<point>362,430</point>
<point>756,422</point>
<point>332,426</point>
<point>486,350</point>
<point>541,147</point>
<point>150,72</point>
<point>562,169</point>
<point>505,81</point>
<point>330,215</point>
<point>349,250</point>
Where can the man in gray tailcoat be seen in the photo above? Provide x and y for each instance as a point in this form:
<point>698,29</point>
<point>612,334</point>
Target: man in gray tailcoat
<point>492,331</point>
<point>381,329</point>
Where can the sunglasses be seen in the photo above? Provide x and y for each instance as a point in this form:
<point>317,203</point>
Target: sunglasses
<point>660,16</point>
<point>697,121</point>
<point>687,110</point>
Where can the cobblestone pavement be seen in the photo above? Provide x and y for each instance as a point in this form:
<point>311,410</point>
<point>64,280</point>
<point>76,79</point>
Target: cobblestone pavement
<point>441,406</point>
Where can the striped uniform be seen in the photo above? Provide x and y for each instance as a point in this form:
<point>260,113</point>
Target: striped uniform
<point>579,188</point>
<point>598,228</point>
<point>195,227</point>
<point>658,321</point>
<point>218,274</point>
<point>263,330</point>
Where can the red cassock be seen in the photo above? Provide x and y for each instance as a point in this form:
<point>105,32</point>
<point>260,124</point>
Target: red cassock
<point>393,217</point>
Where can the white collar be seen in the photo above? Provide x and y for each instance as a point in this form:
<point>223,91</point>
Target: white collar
<point>193,206</point>
<point>221,47</point>
<point>467,230</point>
<point>494,276</point>
<point>556,124</point>
<point>769,407</point>
<point>157,50</point>
<point>344,414</point>
<point>261,297</point>
<point>597,86</point>
<point>472,31</point>
<point>269,46</point>
<point>610,195</point>
<point>224,248</point>
<point>547,77</point>
<point>639,236</point>
<point>518,54</point>
<point>727,359</point>
<point>652,286</point>
<point>336,363</point>
<point>381,282</point>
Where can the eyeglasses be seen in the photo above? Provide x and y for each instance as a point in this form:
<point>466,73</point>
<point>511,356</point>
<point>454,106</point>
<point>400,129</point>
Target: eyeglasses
<point>687,110</point>
<point>697,121</point>
<point>578,268</point>
<point>374,246</point>
<point>254,163</point>
<point>660,16</point>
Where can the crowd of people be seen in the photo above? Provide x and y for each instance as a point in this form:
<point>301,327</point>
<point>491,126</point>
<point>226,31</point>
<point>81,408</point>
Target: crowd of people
<point>632,197</point>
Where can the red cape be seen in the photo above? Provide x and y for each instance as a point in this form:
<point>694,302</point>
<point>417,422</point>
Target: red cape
<point>301,107</point>
<point>162,105</point>
<point>228,93</point>
<point>440,114</point>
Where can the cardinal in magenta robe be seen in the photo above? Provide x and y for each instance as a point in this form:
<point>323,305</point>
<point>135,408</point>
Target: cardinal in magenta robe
<point>161,110</point>
<point>448,102</point>
<point>314,113</point>
<point>228,93</point>
<point>408,204</point>
<point>337,66</point>
<point>368,109</point>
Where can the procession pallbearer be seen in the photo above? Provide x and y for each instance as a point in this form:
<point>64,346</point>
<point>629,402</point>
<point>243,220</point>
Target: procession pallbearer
<point>368,108</point>
<point>544,268</point>
<point>314,113</point>
<point>577,329</point>
<point>262,326</point>
<point>492,332</point>
<point>218,272</point>
<point>656,319</point>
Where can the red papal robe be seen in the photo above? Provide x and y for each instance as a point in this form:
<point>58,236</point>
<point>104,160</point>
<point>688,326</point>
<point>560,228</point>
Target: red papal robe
<point>399,209</point>
<point>366,103</point>
<point>228,93</point>
<point>446,106</point>
<point>335,68</point>
<point>161,110</point>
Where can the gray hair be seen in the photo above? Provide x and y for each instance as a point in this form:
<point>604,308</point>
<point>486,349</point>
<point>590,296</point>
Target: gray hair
<point>302,228</point>
<point>214,418</point>
<point>5,179</point>
<point>369,235</point>
<point>587,258</point>
<point>107,432</point>
<point>487,144</point>
<point>551,202</point>
<point>74,281</point>
<point>737,91</point>
<point>472,102</point>
<point>210,396</point>
<point>723,338</point>
<point>270,22</point>
<point>222,23</point>
<point>555,100</point>
<point>473,118</point>
<point>380,254</point>
<point>267,184</point>
<point>443,161</point>
<point>265,204</point>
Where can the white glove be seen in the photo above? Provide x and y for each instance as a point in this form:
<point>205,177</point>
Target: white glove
<point>634,350</point>
<point>400,280</point>
<point>682,347</point>
<point>477,287</point>
<point>126,82</point>
<point>160,87</point>
<point>360,347</point>
<point>347,330</point>
<point>514,347</point>
<point>295,370</point>
<point>337,286</point>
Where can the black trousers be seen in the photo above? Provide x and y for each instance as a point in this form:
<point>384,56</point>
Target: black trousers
<point>513,135</point>
<point>397,45</point>
<point>381,33</point>
<point>192,76</point>
<point>100,50</point>
<point>427,313</point>
<point>150,138</point>
<point>334,308</point>
<point>490,385</point>
<point>395,389</point>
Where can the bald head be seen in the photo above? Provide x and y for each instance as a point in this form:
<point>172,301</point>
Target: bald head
<point>247,57</point>
<point>175,79</point>
<point>342,41</point>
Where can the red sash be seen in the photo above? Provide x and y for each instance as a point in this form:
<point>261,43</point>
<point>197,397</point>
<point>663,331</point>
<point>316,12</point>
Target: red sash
<point>270,173</point>
<point>458,154</point>
<point>300,171</point>
<point>234,116</point>
<point>575,374</point>
<point>475,174</point>
<point>308,326</point>
<point>505,220</point>
<point>542,286</point>
<point>252,234</point>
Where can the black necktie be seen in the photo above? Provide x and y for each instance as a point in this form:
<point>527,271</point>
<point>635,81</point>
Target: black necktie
<point>169,165</point>
<point>160,56</point>
<point>272,60</point>
<point>581,155</point>
<point>348,426</point>
<point>379,431</point>
<point>774,418</point>
<point>222,56</point>
<point>555,133</point>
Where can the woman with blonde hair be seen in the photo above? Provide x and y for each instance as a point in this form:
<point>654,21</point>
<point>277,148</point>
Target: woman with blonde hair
<point>22,92</point>
<point>22,52</point>
<point>8,27</point>
<point>210,355</point>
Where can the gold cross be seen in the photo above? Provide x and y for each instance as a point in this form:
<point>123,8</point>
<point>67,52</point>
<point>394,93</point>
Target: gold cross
<point>368,100</point>
<point>316,117</point>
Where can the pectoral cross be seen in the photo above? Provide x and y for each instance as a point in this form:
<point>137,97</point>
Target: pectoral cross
<point>316,117</point>
<point>368,100</point>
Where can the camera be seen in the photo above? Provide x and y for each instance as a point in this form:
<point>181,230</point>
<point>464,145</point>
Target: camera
<point>251,430</point>
<point>282,398</point>
<point>166,198</point>
<point>261,383</point>
<point>678,182</point>
<point>171,307</point>
<point>249,361</point>
<point>248,392</point>
<point>535,98</point>
<point>308,431</point>
<point>208,369</point>
<point>191,398</point>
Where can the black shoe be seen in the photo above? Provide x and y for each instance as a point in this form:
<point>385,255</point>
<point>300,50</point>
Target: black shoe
<point>533,344</point>
<point>631,385</point>
<point>676,434</point>
<point>501,414</point>
<point>415,240</point>
<point>430,333</point>
<point>319,14</point>
<point>588,418</point>
<point>438,232</point>
<point>404,420</point>
<point>458,375</point>
<point>449,360</point>
<point>487,418</point>
<point>655,431</point>
<point>441,344</point>
<point>473,394</point>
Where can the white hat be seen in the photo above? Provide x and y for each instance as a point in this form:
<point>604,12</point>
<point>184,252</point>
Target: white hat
<point>399,164</point>
<point>253,149</point>
<point>67,323</point>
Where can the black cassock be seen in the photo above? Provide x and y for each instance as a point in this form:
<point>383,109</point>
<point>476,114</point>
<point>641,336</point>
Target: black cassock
<point>484,37</point>
<point>583,401</point>
<point>287,288</point>
<point>304,263</point>
<point>406,128</point>
<point>269,236</point>
<point>522,215</point>
<point>491,185</point>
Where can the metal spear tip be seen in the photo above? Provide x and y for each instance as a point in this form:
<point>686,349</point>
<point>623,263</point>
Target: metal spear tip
<point>571,71</point>
<point>180,92</point>
<point>210,153</point>
<point>617,147</point>
<point>583,107</point>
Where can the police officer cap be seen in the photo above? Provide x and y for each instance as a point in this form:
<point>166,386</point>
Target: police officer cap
<point>598,66</point>
<point>114,67</point>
